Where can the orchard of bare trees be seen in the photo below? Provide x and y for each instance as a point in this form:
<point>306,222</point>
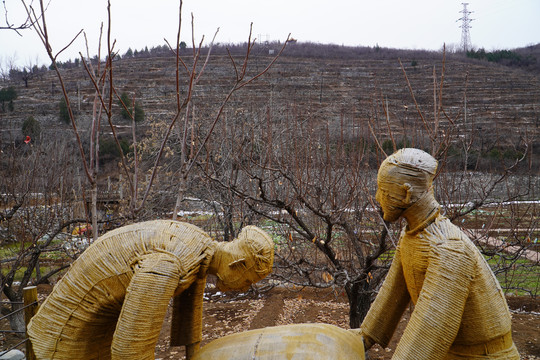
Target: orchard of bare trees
<point>287,142</point>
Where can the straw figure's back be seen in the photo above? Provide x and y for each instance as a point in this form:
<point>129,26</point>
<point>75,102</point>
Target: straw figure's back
<point>112,302</point>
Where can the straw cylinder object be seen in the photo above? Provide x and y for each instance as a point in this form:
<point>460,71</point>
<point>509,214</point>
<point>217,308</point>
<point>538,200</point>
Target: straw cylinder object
<point>295,342</point>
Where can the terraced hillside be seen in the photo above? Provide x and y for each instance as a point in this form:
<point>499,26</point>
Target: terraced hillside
<point>502,104</point>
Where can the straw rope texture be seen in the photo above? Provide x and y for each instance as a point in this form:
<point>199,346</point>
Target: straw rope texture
<point>298,342</point>
<point>112,302</point>
<point>459,307</point>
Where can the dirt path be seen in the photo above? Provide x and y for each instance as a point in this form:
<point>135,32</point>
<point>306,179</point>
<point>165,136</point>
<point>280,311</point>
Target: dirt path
<point>226,315</point>
<point>287,306</point>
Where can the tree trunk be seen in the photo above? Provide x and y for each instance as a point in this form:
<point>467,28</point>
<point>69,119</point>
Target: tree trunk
<point>179,197</point>
<point>16,319</point>
<point>359,296</point>
<point>95,232</point>
<point>228,228</point>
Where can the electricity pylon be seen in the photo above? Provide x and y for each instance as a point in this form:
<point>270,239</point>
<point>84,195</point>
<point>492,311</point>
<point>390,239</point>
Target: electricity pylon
<point>465,26</point>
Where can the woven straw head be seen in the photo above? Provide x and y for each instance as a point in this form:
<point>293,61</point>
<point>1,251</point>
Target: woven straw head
<point>245,260</point>
<point>412,166</point>
<point>403,178</point>
<point>257,244</point>
<point>414,159</point>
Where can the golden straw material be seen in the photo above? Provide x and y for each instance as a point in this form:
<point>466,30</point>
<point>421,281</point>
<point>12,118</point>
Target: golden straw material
<point>244,261</point>
<point>112,302</point>
<point>298,342</point>
<point>459,307</point>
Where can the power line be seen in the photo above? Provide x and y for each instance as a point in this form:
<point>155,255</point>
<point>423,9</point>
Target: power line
<point>465,26</point>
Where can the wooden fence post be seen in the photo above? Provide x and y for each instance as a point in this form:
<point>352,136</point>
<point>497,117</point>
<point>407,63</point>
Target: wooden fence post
<point>31,306</point>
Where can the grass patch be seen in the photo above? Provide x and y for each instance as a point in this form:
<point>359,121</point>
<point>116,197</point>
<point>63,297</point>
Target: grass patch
<point>44,269</point>
<point>12,249</point>
<point>517,277</point>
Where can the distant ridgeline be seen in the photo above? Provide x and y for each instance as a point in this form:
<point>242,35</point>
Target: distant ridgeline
<point>526,57</point>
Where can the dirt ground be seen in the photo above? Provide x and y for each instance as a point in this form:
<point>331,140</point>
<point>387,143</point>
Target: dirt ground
<point>224,315</point>
<point>229,314</point>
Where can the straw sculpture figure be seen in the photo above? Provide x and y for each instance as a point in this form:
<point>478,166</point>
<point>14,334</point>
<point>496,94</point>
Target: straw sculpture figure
<point>460,311</point>
<point>112,302</point>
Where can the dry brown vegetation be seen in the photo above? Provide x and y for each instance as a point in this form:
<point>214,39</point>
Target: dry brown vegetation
<point>295,151</point>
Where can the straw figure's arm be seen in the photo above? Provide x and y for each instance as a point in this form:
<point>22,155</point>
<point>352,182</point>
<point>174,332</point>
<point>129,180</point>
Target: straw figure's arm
<point>437,316</point>
<point>187,313</point>
<point>388,307</point>
<point>153,284</point>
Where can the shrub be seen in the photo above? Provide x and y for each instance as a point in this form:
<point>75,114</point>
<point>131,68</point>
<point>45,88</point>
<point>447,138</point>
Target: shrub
<point>404,143</point>
<point>63,111</point>
<point>31,127</point>
<point>512,154</point>
<point>7,95</point>
<point>494,154</point>
<point>388,146</point>
<point>109,150</point>
<point>139,112</point>
<point>505,57</point>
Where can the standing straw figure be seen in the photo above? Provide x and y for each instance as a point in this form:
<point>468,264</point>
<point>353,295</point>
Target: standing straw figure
<point>459,308</point>
<point>112,302</point>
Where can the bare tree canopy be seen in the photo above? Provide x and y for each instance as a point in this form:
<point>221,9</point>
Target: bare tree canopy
<point>17,25</point>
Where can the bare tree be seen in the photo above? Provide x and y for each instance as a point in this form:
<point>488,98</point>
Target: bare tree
<point>8,66</point>
<point>35,201</point>
<point>193,136</point>
<point>313,185</point>
<point>313,182</point>
<point>18,25</point>
<point>106,94</point>
<point>189,155</point>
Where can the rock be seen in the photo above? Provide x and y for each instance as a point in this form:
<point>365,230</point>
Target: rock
<point>12,355</point>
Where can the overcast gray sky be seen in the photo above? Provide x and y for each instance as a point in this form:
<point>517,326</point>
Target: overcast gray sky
<point>415,24</point>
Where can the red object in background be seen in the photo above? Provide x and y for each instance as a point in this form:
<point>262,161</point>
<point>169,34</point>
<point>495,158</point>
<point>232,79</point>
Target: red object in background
<point>81,229</point>
<point>27,140</point>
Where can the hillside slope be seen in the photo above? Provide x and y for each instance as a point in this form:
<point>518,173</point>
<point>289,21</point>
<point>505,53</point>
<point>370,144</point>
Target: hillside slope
<point>502,104</point>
